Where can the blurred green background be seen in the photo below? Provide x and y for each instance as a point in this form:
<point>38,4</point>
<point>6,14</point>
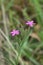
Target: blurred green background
<point>27,47</point>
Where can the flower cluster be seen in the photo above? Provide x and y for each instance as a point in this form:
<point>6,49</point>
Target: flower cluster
<point>16,32</point>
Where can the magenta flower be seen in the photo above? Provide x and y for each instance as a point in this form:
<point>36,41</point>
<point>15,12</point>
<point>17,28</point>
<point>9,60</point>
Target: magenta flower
<point>30,23</point>
<point>14,32</point>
